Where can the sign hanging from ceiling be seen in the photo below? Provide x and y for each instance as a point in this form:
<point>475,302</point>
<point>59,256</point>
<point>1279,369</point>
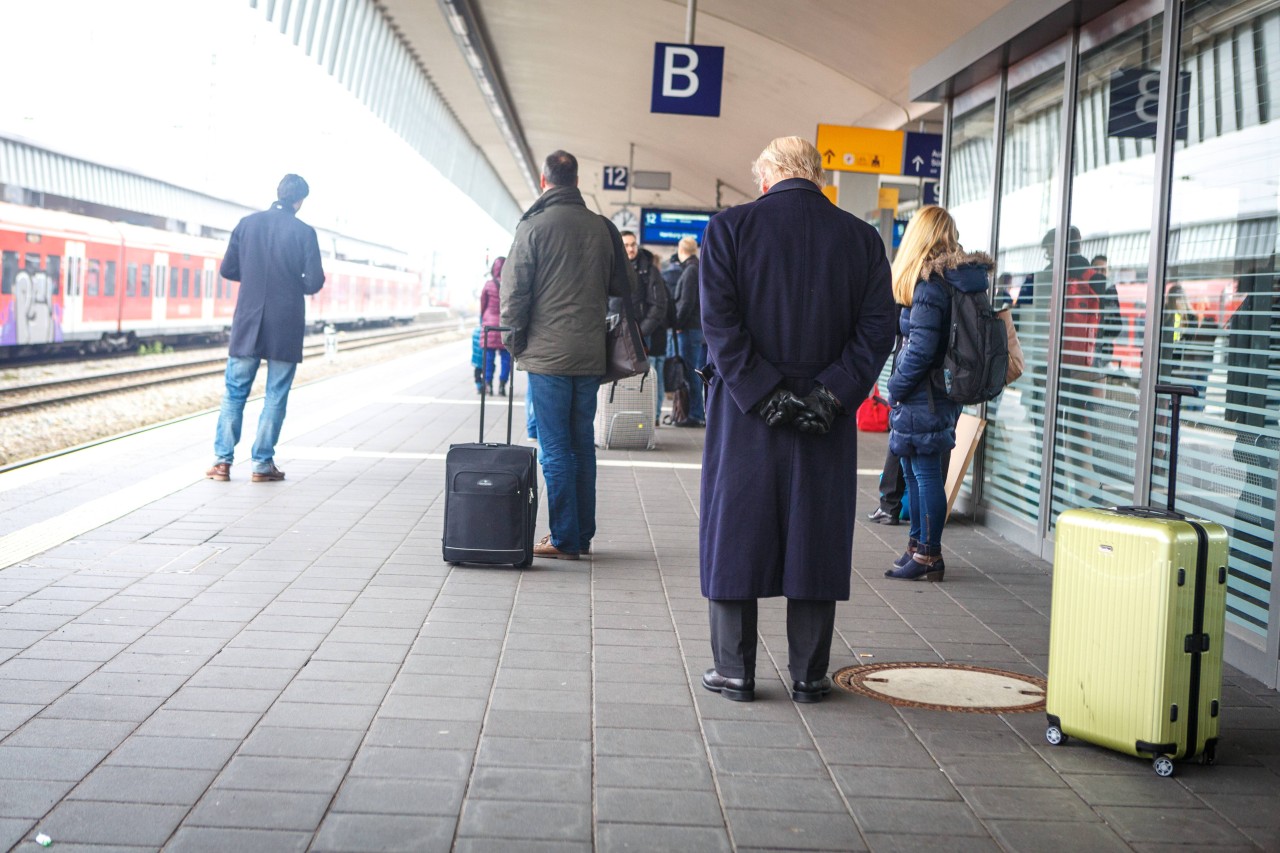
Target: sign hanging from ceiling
<point>860,149</point>
<point>687,79</point>
<point>615,177</point>
<point>922,155</point>
<point>1135,103</point>
<point>665,226</point>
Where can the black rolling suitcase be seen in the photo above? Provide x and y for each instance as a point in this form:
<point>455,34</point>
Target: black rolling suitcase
<point>491,498</point>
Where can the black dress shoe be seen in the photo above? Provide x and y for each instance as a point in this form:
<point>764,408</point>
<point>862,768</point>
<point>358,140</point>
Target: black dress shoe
<point>882,517</point>
<point>737,689</point>
<point>811,691</point>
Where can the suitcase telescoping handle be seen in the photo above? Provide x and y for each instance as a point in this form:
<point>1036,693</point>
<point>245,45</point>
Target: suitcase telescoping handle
<point>1176,393</point>
<point>484,386</point>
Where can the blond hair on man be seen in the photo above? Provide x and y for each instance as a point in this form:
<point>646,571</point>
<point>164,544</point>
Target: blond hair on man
<point>787,157</point>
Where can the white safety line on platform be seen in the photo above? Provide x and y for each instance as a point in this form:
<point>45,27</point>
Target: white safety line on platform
<point>43,535</point>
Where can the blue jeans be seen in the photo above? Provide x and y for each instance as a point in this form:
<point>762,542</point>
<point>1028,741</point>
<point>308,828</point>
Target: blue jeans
<point>530,421</point>
<point>693,349</point>
<point>505,372</point>
<point>928,495</point>
<point>656,362</point>
<point>240,375</point>
<point>566,436</point>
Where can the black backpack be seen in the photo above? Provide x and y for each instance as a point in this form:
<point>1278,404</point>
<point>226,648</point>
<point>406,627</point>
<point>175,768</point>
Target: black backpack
<point>977,358</point>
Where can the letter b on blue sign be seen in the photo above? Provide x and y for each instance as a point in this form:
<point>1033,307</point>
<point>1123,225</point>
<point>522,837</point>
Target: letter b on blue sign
<point>686,79</point>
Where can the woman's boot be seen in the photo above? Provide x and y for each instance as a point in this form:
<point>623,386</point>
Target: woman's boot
<point>502,388</point>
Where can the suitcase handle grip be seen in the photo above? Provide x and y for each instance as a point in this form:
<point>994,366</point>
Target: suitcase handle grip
<point>511,397</point>
<point>1149,512</point>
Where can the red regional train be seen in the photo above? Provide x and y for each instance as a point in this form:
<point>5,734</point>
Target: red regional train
<point>72,281</point>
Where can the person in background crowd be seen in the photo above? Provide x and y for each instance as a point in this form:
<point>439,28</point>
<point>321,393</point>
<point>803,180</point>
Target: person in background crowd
<point>1110,321</point>
<point>650,305</point>
<point>564,264</point>
<point>922,424</point>
<point>276,258</point>
<point>491,315</point>
<point>687,331</point>
<point>798,315</point>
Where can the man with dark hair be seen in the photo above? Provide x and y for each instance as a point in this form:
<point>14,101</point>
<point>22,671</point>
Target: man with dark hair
<point>276,258</point>
<point>563,266</point>
<point>650,305</point>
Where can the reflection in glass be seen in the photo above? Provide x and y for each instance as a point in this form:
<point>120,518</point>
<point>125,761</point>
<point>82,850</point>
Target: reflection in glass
<point>1028,204</point>
<point>1220,321</point>
<point>970,172</point>
<point>1114,168</point>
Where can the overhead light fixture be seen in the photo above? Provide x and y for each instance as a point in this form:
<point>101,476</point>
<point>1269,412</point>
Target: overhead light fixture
<point>463,20</point>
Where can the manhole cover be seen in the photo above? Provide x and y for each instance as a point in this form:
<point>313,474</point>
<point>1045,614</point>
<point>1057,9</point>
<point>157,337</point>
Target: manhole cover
<point>946,687</point>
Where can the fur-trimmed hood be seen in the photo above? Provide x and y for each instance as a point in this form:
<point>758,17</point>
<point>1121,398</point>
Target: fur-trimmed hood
<point>967,271</point>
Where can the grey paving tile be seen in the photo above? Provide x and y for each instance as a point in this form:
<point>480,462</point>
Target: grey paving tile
<point>894,782</point>
<point>907,816</point>
<point>426,664</point>
<point>794,830</point>
<point>612,837</point>
<point>411,763</point>
<point>900,843</point>
<point>70,733</point>
<point>342,833</point>
<point>662,717</point>
<point>1018,803</point>
<point>181,753</point>
<point>1055,836</point>
<point>224,807</point>
<point>795,794</point>
<point>99,823</point>
<point>221,699</point>
<point>766,761</point>
<point>205,839</point>
<point>655,773</point>
<point>415,797</point>
<point>269,773</point>
<point>503,845</point>
<point>1146,789</point>
<point>281,742</point>
<point>648,743</point>
<point>424,734</point>
<point>1200,827</point>
<point>29,798</point>
<point>125,784</point>
<point>677,808</point>
<point>500,723</point>
<point>530,784</point>
<point>433,707</point>
<point>315,715</point>
<point>458,686</point>
<point>522,820</point>
<point>528,752</point>
<point>1010,772</point>
<point>14,830</point>
<point>200,724</point>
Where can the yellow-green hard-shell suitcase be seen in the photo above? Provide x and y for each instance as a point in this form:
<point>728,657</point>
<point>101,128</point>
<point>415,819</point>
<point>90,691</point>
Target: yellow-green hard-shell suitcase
<point>1135,636</point>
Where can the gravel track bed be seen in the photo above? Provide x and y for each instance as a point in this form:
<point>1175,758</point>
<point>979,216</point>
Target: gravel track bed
<point>26,435</point>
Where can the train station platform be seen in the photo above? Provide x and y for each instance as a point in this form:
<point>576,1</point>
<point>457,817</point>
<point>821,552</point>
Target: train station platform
<point>191,665</point>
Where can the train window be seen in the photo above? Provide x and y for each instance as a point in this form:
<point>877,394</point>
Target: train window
<point>95,273</point>
<point>131,280</point>
<point>146,280</point>
<point>186,282</point>
<point>110,285</point>
<point>173,282</point>
<point>54,269</point>
<point>9,265</point>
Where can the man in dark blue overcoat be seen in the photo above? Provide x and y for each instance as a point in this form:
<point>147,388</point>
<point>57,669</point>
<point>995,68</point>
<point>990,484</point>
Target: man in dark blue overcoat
<point>276,258</point>
<point>799,318</point>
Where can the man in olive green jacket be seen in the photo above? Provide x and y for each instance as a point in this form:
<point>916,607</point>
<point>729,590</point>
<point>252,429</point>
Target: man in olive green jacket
<point>564,264</point>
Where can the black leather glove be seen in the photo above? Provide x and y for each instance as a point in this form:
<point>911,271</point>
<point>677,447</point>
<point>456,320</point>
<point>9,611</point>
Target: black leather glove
<point>819,411</point>
<point>780,407</point>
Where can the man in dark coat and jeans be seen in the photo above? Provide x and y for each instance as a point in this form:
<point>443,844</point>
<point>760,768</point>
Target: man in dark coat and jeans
<point>799,318</point>
<point>564,264</point>
<point>276,258</point>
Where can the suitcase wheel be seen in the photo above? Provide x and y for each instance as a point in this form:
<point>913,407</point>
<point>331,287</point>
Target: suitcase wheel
<point>1054,735</point>
<point>1163,766</point>
<point>1209,755</point>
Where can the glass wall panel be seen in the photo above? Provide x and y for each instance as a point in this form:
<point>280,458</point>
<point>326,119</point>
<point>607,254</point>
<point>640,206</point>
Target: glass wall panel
<point>1028,205</point>
<point>970,174</point>
<point>1113,180</point>
<point>1220,318</point>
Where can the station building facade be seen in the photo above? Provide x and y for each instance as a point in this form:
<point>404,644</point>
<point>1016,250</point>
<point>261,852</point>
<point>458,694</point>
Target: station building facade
<point>1130,151</point>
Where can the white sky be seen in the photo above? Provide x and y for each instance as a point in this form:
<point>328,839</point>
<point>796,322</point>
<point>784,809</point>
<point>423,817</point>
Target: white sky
<point>207,95</point>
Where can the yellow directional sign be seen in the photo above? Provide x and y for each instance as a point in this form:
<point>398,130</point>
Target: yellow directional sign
<point>860,149</point>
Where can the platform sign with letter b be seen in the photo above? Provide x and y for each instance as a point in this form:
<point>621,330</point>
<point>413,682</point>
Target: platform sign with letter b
<point>687,79</point>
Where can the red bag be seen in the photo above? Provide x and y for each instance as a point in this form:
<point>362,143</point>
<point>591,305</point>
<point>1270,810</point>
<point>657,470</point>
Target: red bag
<point>873,414</point>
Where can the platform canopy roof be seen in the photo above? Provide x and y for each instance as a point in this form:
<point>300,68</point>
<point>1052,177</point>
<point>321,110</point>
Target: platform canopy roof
<point>578,75</point>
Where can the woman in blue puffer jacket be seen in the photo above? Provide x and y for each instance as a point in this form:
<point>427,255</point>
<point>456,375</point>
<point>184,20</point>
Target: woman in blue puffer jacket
<point>922,423</point>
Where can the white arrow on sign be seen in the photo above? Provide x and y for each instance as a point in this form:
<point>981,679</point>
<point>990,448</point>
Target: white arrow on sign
<point>917,161</point>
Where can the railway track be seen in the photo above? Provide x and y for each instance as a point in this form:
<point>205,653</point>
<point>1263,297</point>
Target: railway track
<point>41,395</point>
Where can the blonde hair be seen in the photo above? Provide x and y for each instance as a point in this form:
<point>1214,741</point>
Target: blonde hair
<point>688,244</point>
<point>930,233</point>
<point>788,157</point>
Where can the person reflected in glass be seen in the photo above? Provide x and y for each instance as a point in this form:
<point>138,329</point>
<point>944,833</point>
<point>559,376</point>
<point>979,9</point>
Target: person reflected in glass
<point>922,424</point>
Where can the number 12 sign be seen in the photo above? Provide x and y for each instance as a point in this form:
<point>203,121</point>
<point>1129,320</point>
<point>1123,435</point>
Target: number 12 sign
<point>615,177</point>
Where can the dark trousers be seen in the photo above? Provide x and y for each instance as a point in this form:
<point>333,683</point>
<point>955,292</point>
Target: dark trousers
<point>809,628</point>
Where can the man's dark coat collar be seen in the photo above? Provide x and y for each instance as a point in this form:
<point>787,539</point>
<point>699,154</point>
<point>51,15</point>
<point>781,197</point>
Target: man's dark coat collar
<point>793,184</point>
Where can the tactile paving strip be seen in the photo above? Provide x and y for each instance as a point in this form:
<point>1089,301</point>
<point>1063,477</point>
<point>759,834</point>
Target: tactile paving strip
<point>946,687</point>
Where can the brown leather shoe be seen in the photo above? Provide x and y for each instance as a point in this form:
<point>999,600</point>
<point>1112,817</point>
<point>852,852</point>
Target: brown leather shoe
<point>544,548</point>
<point>269,476</point>
<point>220,471</point>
